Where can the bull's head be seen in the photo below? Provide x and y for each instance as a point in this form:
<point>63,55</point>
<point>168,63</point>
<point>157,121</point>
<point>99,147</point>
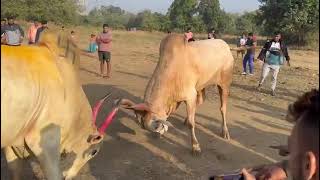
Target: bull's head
<point>145,117</point>
<point>89,146</point>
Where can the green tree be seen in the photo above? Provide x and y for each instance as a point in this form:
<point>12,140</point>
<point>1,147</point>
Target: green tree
<point>294,18</point>
<point>210,13</point>
<point>181,12</point>
<point>62,11</point>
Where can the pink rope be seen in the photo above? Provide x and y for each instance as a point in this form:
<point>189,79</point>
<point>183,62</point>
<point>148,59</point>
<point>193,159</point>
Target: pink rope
<point>108,120</point>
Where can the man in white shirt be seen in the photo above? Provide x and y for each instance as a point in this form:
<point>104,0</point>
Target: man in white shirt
<point>273,54</point>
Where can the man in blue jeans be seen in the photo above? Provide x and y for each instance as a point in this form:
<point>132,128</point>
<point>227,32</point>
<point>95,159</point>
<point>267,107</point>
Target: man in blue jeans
<point>248,58</point>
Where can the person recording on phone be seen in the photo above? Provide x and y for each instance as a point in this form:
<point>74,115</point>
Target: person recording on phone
<point>303,144</point>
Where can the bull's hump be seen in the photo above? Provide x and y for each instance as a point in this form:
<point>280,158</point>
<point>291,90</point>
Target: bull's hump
<point>36,60</point>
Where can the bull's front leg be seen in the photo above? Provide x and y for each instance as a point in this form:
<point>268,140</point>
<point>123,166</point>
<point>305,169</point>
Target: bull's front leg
<point>45,146</point>
<point>191,111</point>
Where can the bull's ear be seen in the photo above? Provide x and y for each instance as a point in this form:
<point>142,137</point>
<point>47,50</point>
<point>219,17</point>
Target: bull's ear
<point>95,139</point>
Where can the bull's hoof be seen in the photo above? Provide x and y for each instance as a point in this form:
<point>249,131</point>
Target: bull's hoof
<point>196,150</point>
<point>225,134</point>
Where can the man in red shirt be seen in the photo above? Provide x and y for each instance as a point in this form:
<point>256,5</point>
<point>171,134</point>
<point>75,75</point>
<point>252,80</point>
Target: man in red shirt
<point>104,40</point>
<point>33,31</point>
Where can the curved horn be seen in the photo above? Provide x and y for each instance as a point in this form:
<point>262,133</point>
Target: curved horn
<point>108,120</point>
<point>125,103</point>
<point>97,107</point>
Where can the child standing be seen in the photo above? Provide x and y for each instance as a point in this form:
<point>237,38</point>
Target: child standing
<point>92,44</point>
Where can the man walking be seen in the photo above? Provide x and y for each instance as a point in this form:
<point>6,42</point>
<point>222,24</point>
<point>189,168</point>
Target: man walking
<point>104,41</point>
<point>273,53</point>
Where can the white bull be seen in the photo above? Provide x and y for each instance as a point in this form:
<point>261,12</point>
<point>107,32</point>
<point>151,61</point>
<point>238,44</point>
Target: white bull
<point>183,72</point>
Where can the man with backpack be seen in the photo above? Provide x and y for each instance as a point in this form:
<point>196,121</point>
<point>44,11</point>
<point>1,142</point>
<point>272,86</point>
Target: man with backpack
<point>13,33</point>
<point>272,54</point>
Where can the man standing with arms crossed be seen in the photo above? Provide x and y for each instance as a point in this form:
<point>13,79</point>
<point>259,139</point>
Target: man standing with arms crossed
<point>104,40</point>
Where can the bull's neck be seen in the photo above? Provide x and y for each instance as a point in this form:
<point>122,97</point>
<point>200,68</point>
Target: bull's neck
<point>160,105</point>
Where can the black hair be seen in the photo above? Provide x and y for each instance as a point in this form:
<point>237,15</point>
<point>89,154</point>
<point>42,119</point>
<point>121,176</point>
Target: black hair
<point>44,21</point>
<point>72,32</point>
<point>250,34</point>
<point>307,106</point>
<point>277,32</point>
<point>105,25</point>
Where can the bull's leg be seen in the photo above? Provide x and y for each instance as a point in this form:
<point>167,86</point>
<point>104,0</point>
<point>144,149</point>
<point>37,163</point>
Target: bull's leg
<point>14,163</point>
<point>45,147</point>
<point>200,99</point>
<point>191,111</point>
<point>224,91</point>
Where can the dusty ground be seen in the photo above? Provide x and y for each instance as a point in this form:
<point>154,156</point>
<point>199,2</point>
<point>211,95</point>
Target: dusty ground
<point>255,119</point>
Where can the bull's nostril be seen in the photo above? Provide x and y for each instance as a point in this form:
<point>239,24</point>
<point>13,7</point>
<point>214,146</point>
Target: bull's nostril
<point>94,152</point>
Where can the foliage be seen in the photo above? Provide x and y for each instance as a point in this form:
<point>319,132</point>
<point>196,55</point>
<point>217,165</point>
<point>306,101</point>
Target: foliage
<point>296,19</point>
<point>61,11</point>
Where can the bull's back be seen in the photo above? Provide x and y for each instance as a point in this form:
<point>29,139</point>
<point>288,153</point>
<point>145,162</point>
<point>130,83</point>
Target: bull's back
<point>26,72</point>
<point>212,60</point>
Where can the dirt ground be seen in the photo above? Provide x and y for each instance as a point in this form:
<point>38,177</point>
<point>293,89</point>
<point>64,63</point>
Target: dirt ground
<point>255,119</point>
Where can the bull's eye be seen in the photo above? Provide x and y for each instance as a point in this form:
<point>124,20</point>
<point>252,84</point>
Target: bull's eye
<point>94,152</point>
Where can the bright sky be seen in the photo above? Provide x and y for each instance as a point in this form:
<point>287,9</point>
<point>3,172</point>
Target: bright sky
<point>235,6</point>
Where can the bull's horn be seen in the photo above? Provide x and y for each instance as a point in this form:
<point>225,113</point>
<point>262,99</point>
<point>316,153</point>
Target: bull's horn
<point>125,103</point>
<point>96,108</point>
<point>108,120</point>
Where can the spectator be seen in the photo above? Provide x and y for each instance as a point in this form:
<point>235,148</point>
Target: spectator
<point>104,41</point>
<point>93,44</point>
<point>241,45</point>
<point>44,26</point>
<point>249,56</point>
<point>212,34</point>
<point>189,35</point>
<point>272,54</point>
<point>303,143</point>
<point>3,23</point>
<point>33,31</point>
<point>13,33</point>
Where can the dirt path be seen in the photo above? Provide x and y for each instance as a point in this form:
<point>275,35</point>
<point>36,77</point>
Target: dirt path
<point>255,119</point>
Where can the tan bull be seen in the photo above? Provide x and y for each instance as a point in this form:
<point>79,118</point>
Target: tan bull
<point>183,72</point>
<point>44,110</point>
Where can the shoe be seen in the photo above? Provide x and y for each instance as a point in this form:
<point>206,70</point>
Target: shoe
<point>251,74</point>
<point>273,93</point>
<point>244,73</point>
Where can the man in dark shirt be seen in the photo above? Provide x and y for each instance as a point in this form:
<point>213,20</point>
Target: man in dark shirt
<point>248,58</point>
<point>44,25</point>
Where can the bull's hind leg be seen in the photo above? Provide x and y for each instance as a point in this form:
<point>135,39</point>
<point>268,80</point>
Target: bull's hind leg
<point>191,111</point>
<point>14,163</point>
<point>224,92</point>
<point>45,146</point>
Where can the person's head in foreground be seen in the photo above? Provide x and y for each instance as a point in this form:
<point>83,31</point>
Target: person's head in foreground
<point>304,139</point>
<point>303,142</point>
